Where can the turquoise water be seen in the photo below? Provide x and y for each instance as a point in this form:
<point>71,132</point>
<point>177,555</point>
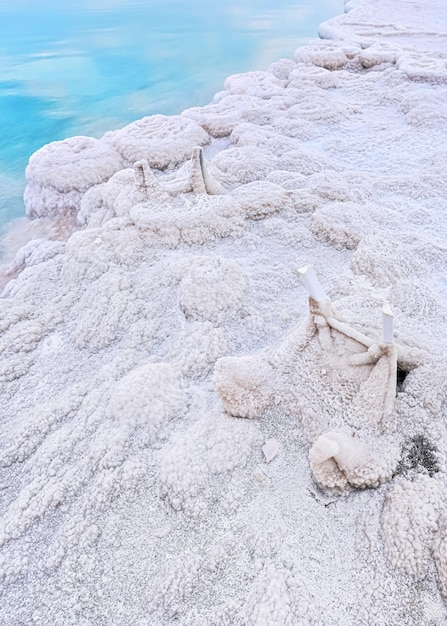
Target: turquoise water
<point>85,67</point>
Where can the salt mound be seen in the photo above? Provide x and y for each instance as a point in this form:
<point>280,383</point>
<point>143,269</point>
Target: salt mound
<point>211,288</point>
<point>162,140</point>
<point>61,171</point>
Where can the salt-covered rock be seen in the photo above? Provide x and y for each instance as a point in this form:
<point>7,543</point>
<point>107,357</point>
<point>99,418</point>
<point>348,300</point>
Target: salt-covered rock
<point>202,219</point>
<point>260,199</point>
<point>199,459</point>
<point>245,164</point>
<point>329,55</point>
<point>308,76</point>
<point>340,462</point>
<point>270,449</point>
<point>61,172</point>
<point>211,288</point>
<point>243,385</point>
<point>161,140</point>
<point>410,519</point>
<point>259,84</point>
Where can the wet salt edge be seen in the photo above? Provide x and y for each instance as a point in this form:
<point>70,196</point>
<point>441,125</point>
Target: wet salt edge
<point>132,494</point>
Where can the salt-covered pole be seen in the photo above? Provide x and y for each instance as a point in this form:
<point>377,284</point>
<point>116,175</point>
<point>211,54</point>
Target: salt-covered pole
<point>319,305</point>
<point>145,177</point>
<point>387,324</point>
<point>311,283</point>
<point>388,340</point>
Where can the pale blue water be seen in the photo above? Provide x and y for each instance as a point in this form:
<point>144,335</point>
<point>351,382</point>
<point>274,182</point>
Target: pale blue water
<point>85,67</point>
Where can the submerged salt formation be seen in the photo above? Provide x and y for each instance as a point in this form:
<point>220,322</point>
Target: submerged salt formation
<point>169,307</point>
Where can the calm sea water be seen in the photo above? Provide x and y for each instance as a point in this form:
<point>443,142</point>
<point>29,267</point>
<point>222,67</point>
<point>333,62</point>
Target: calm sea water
<point>88,66</point>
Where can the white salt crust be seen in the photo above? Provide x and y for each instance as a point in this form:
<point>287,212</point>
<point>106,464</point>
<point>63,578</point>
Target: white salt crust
<point>411,523</point>
<point>161,335</point>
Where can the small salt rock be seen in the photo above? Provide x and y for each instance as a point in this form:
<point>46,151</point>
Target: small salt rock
<point>261,476</point>
<point>270,449</point>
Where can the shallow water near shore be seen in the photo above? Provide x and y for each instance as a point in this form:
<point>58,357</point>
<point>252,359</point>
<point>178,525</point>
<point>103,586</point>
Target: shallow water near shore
<point>88,67</point>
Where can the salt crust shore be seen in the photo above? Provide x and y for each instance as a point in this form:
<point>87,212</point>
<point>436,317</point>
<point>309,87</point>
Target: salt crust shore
<point>148,355</point>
